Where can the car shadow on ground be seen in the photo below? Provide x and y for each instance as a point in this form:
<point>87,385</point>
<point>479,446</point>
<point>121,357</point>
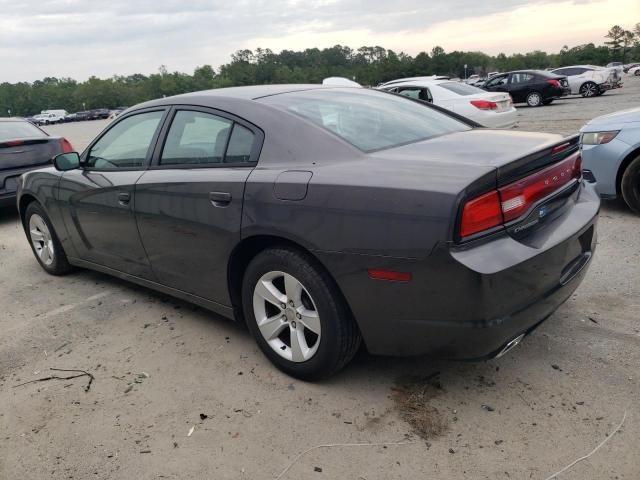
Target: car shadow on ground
<point>9,215</point>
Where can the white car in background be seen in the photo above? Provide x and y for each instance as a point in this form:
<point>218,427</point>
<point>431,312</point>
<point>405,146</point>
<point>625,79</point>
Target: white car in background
<point>587,80</point>
<point>489,109</point>
<point>412,79</point>
<point>634,71</point>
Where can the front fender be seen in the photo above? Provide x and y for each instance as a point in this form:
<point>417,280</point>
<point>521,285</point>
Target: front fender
<point>42,186</point>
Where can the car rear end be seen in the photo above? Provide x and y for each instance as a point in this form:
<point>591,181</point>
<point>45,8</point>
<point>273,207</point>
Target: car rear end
<point>555,86</point>
<point>522,239</point>
<point>24,147</point>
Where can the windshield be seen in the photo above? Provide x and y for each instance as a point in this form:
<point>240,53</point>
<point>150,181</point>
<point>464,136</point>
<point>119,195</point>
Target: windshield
<point>461,88</point>
<point>19,129</point>
<point>369,120</point>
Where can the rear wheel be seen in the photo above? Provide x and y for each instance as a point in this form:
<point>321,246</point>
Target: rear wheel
<point>589,89</point>
<point>297,316</point>
<point>630,185</point>
<point>534,99</point>
<point>44,241</point>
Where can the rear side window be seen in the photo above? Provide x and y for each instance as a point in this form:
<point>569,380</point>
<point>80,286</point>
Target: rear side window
<point>19,130</point>
<point>461,88</point>
<point>197,138</point>
<point>521,77</point>
<point>240,145</point>
<point>369,120</point>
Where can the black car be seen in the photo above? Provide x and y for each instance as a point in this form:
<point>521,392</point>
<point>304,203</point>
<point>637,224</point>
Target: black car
<point>23,147</point>
<point>99,113</point>
<point>82,116</point>
<point>533,87</point>
<point>326,217</point>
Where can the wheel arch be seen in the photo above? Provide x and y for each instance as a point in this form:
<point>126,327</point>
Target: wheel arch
<point>623,167</point>
<point>25,200</point>
<point>248,249</point>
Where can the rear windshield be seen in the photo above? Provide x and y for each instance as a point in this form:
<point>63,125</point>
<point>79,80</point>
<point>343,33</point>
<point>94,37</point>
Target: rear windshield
<point>369,120</point>
<point>461,88</point>
<point>19,129</point>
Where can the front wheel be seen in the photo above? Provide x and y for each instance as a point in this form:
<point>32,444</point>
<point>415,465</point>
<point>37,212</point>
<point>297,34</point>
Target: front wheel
<point>297,315</point>
<point>589,89</point>
<point>534,99</point>
<point>630,185</point>
<point>44,241</point>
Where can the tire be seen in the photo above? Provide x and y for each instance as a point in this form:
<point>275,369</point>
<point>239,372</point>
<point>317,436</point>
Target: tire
<point>534,99</point>
<point>589,89</point>
<point>630,185</point>
<point>327,335</point>
<point>44,242</point>
<point>636,73</point>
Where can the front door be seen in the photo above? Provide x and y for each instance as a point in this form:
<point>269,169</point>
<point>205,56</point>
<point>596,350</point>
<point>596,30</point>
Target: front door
<point>189,203</point>
<point>101,196</point>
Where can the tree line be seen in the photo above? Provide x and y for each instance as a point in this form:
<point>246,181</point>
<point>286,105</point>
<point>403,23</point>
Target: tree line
<point>366,65</point>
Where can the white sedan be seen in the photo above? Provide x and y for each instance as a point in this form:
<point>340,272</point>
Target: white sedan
<point>489,109</point>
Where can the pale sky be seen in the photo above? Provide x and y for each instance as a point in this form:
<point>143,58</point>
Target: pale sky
<point>79,38</point>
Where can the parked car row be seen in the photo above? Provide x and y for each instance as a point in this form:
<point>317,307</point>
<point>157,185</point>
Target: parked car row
<point>49,117</point>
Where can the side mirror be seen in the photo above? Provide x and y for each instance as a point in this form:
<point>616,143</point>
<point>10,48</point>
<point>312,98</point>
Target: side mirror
<point>66,161</point>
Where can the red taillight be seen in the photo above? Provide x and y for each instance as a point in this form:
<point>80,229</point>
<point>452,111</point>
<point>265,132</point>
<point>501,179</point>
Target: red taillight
<point>514,200</point>
<point>66,145</point>
<point>377,274</point>
<point>518,197</point>
<point>14,143</point>
<point>484,104</point>
<point>481,213</point>
<point>554,83</point>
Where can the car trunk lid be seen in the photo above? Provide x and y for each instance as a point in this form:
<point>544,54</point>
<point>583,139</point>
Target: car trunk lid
<point>27,152</point>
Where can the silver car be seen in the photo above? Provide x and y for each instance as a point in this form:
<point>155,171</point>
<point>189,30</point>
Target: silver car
<point>588,80</point>
<point>611,155</point>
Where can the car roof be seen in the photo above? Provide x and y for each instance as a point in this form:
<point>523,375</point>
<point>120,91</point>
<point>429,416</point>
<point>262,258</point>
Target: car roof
<point>417,81</point>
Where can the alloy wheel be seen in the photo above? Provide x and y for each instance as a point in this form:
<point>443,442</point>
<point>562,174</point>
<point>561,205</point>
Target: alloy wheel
<point>534,99</point>
<point>287,316</point>
<point>589,90</point>
<point>41,239</point>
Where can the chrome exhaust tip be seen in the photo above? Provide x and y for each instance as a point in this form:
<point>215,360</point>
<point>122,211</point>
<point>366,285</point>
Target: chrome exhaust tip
<point>509,346</point>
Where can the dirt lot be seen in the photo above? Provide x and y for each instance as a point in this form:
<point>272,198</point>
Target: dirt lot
<point>160,363</point>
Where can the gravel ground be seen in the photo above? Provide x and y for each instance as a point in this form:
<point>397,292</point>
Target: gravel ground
<point>161,366</point>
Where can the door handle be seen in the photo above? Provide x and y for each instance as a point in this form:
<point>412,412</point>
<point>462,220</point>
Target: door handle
<point>124,198</point>
<point>220,199</point>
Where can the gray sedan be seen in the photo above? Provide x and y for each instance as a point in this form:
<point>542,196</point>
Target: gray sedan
<point>325,218</point>
<point>611,152</point>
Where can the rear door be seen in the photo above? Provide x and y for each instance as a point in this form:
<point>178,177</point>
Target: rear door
<point>100,196</point>
<point>520,85</point>
<point>189,203</point>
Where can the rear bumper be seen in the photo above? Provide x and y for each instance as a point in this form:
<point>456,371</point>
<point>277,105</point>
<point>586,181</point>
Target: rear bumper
<point>469,303</point>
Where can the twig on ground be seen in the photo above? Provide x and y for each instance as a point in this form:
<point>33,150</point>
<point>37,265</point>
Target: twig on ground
<point>81,373</point>
<point>332,445</point>
<point>624,417</point>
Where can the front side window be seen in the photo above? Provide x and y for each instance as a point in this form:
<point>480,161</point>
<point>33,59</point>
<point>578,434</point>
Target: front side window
<point>127,144</point>
<point>497,81</point>
<point>369,120</point>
